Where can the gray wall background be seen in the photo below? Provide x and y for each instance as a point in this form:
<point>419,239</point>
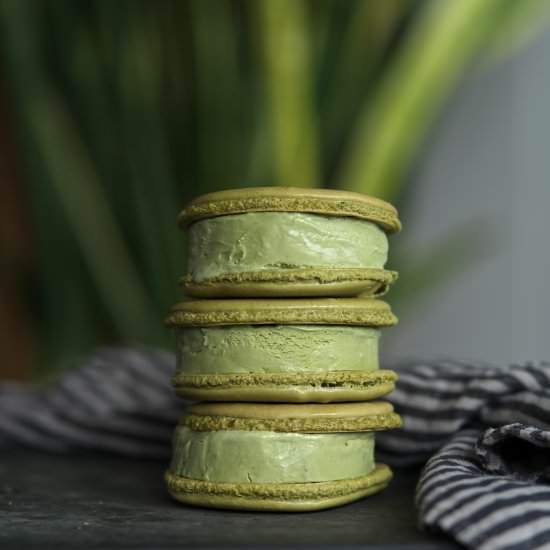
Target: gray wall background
<point>489,155</point>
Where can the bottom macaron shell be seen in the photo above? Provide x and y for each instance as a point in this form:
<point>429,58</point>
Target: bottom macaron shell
<point>293,283</point>
<point>331,387</point>
<point>277,497</point>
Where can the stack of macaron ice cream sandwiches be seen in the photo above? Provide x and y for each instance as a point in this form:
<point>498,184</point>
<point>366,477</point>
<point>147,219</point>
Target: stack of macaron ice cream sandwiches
<point>277,349</point>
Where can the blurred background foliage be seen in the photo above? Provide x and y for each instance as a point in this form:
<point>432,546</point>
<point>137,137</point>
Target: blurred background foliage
<point>124,110</point>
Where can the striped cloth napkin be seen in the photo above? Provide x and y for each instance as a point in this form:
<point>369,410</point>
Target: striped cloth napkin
<point>485,433</point>
<point>482,433</point>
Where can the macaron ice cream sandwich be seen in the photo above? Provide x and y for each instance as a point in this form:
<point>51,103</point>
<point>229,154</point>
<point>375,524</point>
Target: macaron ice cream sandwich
<point>286,242</point>
<point>281,350</point>
<point>278,349</point>
<point>280,457</point>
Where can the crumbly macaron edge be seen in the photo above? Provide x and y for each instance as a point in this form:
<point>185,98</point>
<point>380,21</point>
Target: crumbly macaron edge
<point>320,379</point>
<point>324,387</point>
<point>305,315</point>
<point>381,475</point>
<point>345,205</point>
<point>229,502</point>
<point>376,282</point>
<point>368,423</point>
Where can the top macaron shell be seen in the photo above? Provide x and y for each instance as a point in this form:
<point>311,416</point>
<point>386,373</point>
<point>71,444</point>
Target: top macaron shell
<point>276,241</point>
<point>327,202</point>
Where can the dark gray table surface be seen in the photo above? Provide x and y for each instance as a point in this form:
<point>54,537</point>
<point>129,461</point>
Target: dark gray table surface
<point>96,501</point>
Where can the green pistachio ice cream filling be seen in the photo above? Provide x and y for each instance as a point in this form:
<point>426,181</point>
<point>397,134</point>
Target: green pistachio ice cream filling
<point>276,241</point>
<point>277,349</point>
<point>270,457</point>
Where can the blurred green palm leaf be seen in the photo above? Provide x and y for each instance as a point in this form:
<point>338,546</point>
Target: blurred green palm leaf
<point>128,109</point>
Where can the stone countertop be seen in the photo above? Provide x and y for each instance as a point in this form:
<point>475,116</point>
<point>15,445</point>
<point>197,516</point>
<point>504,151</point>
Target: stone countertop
<point>83,501</point>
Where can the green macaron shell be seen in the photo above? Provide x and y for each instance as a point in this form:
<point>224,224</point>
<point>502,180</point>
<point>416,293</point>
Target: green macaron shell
<point>379,420</point>
<point>314,311</point>
<point>279,497</point>
<point>328,202</point>
<point>330,387</point>
<point>291,283</point>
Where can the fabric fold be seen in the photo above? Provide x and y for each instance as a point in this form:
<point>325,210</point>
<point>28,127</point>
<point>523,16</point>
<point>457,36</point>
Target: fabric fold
<point>484,432</point>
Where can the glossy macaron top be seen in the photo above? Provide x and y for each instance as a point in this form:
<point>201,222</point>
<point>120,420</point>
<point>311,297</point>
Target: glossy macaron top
<point>327,202</point>
<point>318,311</point>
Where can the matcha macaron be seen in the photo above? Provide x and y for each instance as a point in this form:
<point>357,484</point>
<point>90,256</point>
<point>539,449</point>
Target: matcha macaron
<point>296,350</point>
<point>285,242</point>
<point>278,457</point>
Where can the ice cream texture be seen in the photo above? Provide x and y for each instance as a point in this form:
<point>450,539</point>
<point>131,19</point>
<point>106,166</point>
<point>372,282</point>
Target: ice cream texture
<point>278,241</point>
<point>277,349</point>
<point>235,456</point>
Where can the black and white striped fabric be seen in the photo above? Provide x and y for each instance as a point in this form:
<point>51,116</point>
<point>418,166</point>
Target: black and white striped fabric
<point>482,433</point>
<point>117,400</point>
<point>485,432</point>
